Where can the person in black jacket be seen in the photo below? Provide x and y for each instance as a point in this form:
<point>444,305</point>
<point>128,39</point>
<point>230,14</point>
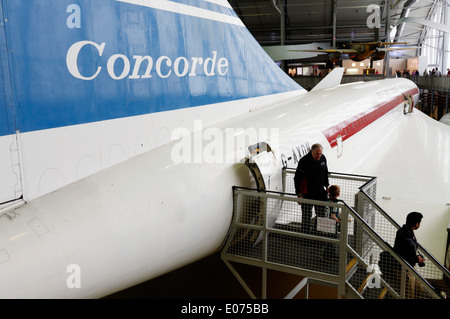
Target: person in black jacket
<point>405,241</point>
<point>311,182</point>
<point>406,246</point>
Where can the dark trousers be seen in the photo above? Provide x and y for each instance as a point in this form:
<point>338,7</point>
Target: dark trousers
<point>307,215</point>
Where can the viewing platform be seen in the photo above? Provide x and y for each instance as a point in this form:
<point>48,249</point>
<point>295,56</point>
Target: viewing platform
<point>356,259</point>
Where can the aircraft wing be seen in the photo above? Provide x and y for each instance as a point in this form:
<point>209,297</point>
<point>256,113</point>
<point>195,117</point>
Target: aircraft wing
<point>397,49</point>
<point>346,51</point>
<point>297,51</point>
<point>379,43</point>
<point>409,161</point>
<point>331,80</point>
<point>343,51</point>
<point>428,23</point>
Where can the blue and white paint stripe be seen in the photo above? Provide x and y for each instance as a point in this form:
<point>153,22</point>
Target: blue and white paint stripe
<point>190,10</point>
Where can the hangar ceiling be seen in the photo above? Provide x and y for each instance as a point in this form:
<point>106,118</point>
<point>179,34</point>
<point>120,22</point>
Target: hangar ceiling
<point>307,21</point>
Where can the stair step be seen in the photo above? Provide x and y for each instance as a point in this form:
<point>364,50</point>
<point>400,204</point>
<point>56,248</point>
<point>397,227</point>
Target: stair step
<point>383,293</point>
<point>350,265</point>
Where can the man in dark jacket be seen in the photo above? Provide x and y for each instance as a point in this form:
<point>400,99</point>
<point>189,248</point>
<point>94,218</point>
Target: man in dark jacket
<point>406,246</point>
<point>311,182</point>
<point>405,242</point>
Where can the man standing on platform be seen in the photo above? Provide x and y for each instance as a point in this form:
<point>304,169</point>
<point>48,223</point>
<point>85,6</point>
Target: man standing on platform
<point>311,182</point>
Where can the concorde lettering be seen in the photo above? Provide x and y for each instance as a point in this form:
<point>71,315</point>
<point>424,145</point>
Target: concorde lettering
<point>164,65</point>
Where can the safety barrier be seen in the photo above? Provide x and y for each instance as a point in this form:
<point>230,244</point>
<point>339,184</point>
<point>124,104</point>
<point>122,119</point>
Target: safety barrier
<point>268,232</point>
<point>436,83</point>
<point>433,272</point>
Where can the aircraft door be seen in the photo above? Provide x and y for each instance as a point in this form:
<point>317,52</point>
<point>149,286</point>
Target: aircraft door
<point>10,185</point>
<point>264,167</point>
<point>267,172</point>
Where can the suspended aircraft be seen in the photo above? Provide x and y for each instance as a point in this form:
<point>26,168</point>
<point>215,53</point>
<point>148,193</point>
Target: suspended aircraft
<point>360,51</point>
<point>125,124</point>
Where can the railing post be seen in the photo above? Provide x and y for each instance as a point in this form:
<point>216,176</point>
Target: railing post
<point>403,283</point>
<point>343,253</point>
<point>264,283</point>
<point>264,252</point>
<point>359,207</point>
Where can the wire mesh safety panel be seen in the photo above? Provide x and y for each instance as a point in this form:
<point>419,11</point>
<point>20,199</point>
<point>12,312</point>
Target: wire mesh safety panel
<point>268,228</point>
<point>349,184</point>
<point>435,275</point>
<point>381,273</point>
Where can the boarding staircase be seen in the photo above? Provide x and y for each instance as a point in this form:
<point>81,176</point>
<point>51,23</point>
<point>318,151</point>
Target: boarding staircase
<point>266,233</point>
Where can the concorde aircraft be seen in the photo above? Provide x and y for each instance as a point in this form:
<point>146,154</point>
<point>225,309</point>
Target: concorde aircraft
<point>125,124</point>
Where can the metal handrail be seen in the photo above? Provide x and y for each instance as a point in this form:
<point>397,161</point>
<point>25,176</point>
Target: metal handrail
<point>444,270</point>
<point>387,247</point>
